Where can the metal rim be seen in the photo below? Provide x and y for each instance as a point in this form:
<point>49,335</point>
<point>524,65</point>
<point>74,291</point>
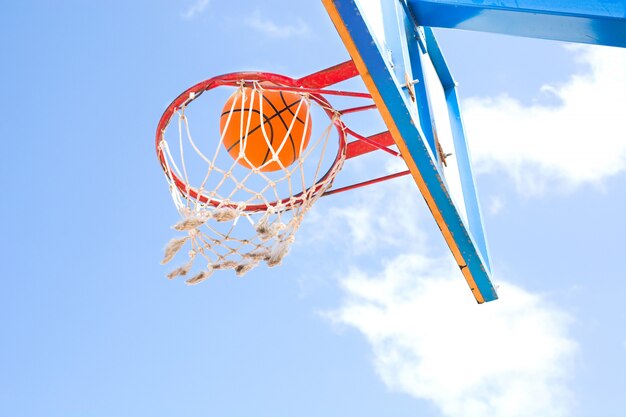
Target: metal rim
<point>235,79</point>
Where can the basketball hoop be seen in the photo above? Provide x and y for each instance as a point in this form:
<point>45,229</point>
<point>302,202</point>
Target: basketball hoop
<point>242,189</point>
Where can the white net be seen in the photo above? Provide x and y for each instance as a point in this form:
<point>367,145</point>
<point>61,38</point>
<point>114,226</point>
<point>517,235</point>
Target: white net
<point>238,209</point>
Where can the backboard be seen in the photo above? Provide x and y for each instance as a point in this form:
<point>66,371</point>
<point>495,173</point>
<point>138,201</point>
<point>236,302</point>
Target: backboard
<point>407,76</point>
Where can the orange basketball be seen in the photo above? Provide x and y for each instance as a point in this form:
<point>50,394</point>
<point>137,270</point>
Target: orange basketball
<point>259,135</point>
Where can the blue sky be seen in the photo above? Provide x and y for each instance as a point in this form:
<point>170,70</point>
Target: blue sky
<point>367,316</point>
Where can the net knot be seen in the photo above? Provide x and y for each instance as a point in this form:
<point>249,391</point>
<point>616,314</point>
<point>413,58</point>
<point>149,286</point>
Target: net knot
<point>225,265</point>
<point>279,251</point>
<point>226,214</point>
<point>189,223</point>
<point>243,268</point>
<point>202,276</point>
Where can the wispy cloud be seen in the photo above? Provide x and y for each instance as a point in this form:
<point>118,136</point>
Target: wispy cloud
<point>273,29</point>
<point>495,205</point>
<point>509,358</point>
<point>578,142</point>
<point>429,338</point>
<point>512,357</point>
<point>195,9</point>
<point>377,219</point>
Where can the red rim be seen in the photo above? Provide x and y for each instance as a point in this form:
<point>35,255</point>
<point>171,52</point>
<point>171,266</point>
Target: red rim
<point>235,79</point>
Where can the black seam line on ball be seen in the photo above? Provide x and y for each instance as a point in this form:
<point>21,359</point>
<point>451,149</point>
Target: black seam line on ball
<point>267,120</point>
<point>288,107</point>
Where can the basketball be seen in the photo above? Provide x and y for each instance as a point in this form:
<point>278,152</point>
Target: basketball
<point>266,130</point>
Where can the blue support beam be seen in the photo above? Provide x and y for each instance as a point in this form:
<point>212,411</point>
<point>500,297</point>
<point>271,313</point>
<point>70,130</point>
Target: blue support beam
<point>598,22</point>
<point>470,194</point>
<point>384,64</point>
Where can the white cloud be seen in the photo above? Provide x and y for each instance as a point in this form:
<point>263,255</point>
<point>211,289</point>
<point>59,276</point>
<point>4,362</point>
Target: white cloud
<point>195,9</point>
<point>381,216</point>
<point>508,358</point>
<point>495,205</point>
<point>270,28</point>
<point>379,219</point>
<point>512,357</point>
<point>582,140</point>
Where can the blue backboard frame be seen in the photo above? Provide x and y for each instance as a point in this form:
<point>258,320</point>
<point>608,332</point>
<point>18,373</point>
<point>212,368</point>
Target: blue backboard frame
<point>394,73</point>
<point>597,22</point>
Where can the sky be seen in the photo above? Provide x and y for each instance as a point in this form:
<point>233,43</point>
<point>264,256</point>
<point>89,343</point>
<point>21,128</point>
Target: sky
<point>368,314</point>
